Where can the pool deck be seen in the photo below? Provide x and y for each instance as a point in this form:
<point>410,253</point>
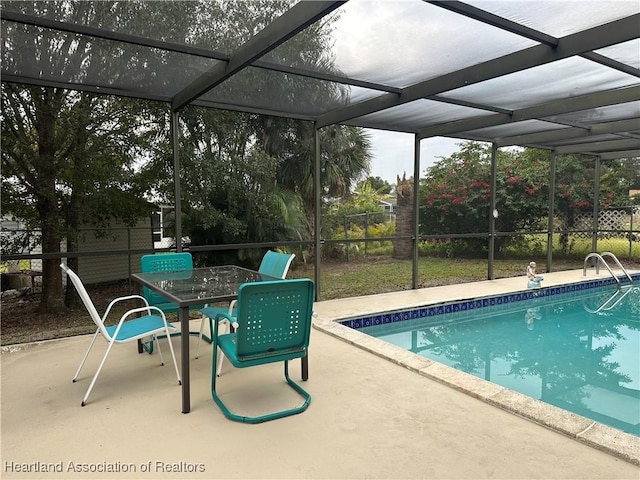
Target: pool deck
<point>378,411</point>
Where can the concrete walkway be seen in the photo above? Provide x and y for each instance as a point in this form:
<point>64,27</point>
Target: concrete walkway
<point>369,418</point>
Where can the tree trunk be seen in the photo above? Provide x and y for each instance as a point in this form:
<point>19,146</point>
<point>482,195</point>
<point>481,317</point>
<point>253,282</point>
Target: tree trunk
<point>52,296</point>
<point>47,108</point>
<point>403,247</point>
<point>71,297</point>
<point>72,213</point>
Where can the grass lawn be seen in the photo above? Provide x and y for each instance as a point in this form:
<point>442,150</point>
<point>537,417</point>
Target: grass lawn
<point>362,276</point>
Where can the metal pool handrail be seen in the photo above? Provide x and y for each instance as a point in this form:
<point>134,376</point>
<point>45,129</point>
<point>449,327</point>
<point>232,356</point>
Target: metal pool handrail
<point>618,296</point>
<point>601,258</point>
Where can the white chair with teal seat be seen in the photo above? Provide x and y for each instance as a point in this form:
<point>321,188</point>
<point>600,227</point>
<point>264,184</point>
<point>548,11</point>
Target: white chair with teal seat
<point>131,326</point>
<point>274,264</point>
<point>273,324</point>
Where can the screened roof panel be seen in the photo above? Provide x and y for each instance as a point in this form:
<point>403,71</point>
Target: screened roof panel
<point>481,68</point>
<point>84,60</point>
<point>610,113</point>
<point>400,43</point>
<point>131,68</point>
<point>627,53</point>
<point>564,78</point>
<point>511,129</point>
<point>280,92</point>
<point>588,139</point>
<point>559,18</point>
<point>419,113</point>
<point>203,24</point>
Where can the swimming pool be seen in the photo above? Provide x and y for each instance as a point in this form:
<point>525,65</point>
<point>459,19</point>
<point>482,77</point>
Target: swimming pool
<point>574,346</point>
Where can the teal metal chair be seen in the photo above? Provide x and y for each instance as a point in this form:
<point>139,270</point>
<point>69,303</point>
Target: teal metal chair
<point>274,264</point>
<point>273,324</point>
<point>131,326</point>
<point>164,262</point>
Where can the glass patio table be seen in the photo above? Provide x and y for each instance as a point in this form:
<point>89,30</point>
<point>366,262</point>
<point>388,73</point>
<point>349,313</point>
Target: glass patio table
<point>198,286</point>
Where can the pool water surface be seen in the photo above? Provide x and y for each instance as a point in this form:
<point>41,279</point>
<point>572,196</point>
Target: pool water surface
<point>579,351</point>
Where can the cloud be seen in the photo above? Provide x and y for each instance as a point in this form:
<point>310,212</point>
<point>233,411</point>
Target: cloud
<point>370,35</point>
<point>393,153</point>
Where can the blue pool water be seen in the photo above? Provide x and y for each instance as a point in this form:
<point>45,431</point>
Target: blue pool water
<point>578,348</point>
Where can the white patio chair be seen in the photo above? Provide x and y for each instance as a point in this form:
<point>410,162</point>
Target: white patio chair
<point>127,330</point>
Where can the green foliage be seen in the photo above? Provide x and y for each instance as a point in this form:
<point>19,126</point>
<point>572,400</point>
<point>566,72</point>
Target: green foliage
<point>67,162</point>
<point>360,216</point>
<point>244,205</point>
<point>363,230</point>
<point>378,184</point>
<point>456,193</point>
<point>77,164</point>
<point>344,157</point>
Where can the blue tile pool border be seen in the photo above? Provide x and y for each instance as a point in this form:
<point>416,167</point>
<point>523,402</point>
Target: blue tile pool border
<point>473,304</point>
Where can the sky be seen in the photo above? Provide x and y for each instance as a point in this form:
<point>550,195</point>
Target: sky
<point>393,153</point>
<point>367,47</point>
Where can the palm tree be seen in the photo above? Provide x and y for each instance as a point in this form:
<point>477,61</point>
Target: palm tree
<point>345,159</point>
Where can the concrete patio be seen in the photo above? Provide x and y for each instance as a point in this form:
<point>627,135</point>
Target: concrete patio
<point>377,412</point>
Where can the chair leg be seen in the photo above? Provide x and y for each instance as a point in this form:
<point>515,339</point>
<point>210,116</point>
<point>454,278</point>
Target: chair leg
<point>84,359</point>
<point>219,365</point>
<point>270,416</point>
<point>221,354</point>
<point>200,336</point>
<point>218,352</point>
<point>154,339</point>
<point>95,376</point>
<point>295,386</point>
<point>173,355</point>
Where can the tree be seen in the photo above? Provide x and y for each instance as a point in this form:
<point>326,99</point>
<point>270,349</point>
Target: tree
<point>230,192</point>
<point>70,155</point>
<point>242,182</point>
<point>344,159</point>
<point>629,172</point>
<point>63,171</point>
<point>379,184</point>
<point>231,159</point>
<point>456,191</point>
<point>66,155</point>
<point>367,198</point>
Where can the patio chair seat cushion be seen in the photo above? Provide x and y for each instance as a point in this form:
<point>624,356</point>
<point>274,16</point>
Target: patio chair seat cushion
<point>168,307</point>
<point>211,312</point>
<point>228,345</point>
<point>136,328</point>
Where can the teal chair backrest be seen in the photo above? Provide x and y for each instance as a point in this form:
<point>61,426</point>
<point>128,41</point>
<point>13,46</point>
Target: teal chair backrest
<point>274,317</point>
<point>163,262</point>
<point>276,264</point>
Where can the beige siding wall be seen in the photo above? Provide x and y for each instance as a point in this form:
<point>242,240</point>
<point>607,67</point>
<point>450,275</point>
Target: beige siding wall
<point>96,269</point>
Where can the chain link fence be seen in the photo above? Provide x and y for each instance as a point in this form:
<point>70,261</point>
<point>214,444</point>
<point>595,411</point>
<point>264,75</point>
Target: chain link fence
<point>113,254</point>
<point>107,254</point>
